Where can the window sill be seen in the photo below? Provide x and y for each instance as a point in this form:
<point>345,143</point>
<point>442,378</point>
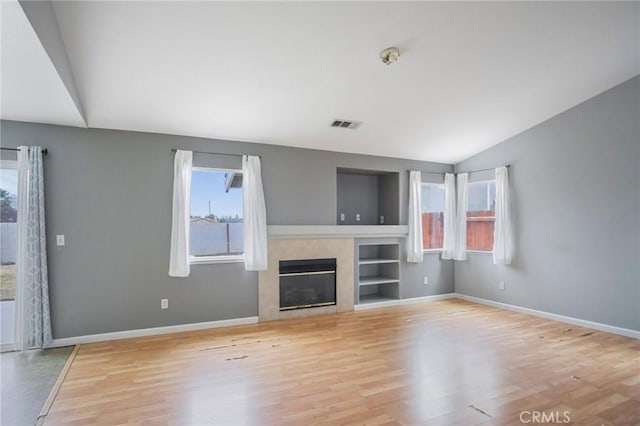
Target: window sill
<point>479,252</point>
<point>432,251</point>
<point>215,259</point>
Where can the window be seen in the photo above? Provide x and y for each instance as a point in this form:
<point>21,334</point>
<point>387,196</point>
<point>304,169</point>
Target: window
<point>8,217</point>
<point>481,215</point>
<point>432,215</point>
<point>216,230</point>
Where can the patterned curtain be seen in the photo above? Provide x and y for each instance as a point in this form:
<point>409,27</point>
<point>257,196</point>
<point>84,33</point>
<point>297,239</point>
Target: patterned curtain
<point>33,322</point>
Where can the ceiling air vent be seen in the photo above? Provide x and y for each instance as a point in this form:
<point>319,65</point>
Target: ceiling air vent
<point>345,124</point>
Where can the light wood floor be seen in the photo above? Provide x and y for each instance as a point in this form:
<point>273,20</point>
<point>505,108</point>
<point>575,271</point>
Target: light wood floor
<point>440,363</point>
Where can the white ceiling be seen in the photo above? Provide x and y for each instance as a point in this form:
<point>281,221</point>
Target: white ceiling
<point>470,74</point>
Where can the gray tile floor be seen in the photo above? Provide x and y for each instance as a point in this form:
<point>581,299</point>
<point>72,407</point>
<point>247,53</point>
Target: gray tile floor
<point>26,378</point>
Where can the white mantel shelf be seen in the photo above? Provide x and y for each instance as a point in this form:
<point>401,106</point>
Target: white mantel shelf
<point>336,231</point>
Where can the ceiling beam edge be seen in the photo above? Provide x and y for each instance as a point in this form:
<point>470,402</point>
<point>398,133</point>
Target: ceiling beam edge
<point>42,18</point>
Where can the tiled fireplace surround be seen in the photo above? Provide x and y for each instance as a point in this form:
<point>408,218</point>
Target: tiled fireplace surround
<point>306,248</point>
<point>315,242</point>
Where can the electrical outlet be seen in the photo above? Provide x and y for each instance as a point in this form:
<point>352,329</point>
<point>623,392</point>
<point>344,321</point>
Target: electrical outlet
<point>381,220</point>
<point>164,303</point>
<point>60,240</point>
<point>501,285</point>
<point>341,217</point>
<point>426,280</point>
<point>357,217</point>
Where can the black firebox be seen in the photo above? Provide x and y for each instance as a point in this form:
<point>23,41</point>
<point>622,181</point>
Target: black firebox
<point>307,283</point>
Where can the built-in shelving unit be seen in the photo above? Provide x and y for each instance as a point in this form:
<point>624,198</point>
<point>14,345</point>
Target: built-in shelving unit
<point>378,272</point>
<point>376,261</point>
<point>337,231</point>
<point>372,298</point>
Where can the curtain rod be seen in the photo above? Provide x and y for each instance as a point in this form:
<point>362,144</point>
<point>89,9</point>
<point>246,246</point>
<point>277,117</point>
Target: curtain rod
<point>483,170</point>
<point>470,171</point>
<point>44,151</point>
<point>217,153</point>
<point>433,173</point>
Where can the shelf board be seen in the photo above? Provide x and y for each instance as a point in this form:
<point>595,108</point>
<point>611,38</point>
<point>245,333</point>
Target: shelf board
<point>337,231</point>
<point>371,261</point>
<point>377,280</point>
<point>374,298</point>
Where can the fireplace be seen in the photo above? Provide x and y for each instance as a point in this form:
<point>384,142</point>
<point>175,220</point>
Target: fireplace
<point>307,283</point>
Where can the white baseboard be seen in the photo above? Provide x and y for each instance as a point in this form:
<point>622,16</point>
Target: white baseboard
<point>575,321</point>
<point>398,302</point>
<point>103,337</point>
<point>6,347</point>
<point>92,338</point>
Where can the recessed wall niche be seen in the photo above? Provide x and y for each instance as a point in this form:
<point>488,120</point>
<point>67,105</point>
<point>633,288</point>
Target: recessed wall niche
<point>371,194</point>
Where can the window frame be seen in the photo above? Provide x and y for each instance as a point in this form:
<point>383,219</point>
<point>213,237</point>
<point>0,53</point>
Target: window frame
<point>203,260</point>
<point>476,251</point>
<point>441,186</point>
<point>9,164</point>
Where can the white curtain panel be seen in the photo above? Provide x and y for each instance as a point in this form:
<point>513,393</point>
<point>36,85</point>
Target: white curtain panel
<point>179,256</point>
<point>502,238</point>
<point>255,215</point>
<point>460,251</point>
<point>32,317</point>
<point>414,240</point>
<point>449,237</point>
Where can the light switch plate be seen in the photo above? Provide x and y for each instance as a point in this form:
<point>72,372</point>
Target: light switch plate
<point>341,217</point>
<point>357,217</point>
<point>60,240</point>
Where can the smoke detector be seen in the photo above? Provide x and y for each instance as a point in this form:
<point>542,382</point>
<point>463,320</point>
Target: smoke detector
<point>390,55</point>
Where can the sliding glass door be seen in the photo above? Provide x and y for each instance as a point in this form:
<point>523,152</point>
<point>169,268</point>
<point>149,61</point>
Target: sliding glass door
<point>8,216</point>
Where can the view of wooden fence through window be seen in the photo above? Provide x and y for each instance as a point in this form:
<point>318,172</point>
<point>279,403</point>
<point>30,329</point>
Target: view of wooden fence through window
<point>480,216</point>
<point>432,230</point>
<point>480,226</point>
<point>432,209</point>
<point>210,238</point>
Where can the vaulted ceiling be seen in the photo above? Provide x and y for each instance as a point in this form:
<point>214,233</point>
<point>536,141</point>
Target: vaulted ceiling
<point>470,74</point>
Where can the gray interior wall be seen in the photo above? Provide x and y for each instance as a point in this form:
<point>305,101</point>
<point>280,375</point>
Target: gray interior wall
<point>370,194</point>
<point>575,187</point>
<point>439,272</point>
<point>357,194</point>
<point>388,201</point>
<point>109,193</point>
